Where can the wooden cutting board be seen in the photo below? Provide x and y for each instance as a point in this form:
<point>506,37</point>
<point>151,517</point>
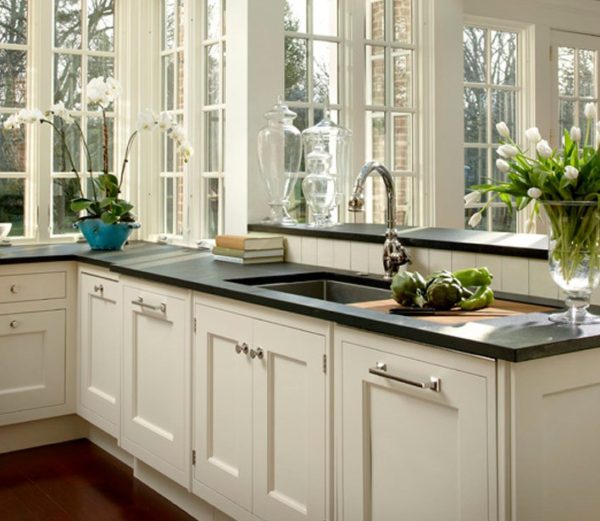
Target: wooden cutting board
<point>500,308</point>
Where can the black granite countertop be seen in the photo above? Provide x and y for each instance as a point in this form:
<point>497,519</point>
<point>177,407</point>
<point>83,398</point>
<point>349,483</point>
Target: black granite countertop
<point>530,246</point>
<point>515,339</point>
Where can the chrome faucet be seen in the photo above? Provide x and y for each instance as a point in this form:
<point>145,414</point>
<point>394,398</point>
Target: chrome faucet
<point>394,254</point>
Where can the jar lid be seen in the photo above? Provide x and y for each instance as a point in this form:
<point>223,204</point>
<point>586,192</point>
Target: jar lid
<point>280,111</point>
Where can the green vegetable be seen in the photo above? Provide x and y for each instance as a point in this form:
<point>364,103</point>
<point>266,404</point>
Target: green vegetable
<point>408,288</point>
<point>483,297</point>
<point>474,276</point>
<point>444,290</point>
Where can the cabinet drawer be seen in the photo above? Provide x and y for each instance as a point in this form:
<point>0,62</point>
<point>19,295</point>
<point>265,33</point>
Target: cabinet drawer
<point>33,286</point>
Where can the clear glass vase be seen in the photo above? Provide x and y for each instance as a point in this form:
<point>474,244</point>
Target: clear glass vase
<point>319,186</point>
<point>574,255</point>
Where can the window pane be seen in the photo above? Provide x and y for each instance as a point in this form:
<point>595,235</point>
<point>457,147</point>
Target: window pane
<point>504,108</point>
<point>95,143</point>
<point>504,58</point>
<point>168,76</point>
<point>376,136</point>
<point>476,167</point>
<point>13,20</point>
<point>482,226</point>
<point>583,120</point>
<point>168,33</point>
<point>587,73</point>
<point>325,72</point>
<point>12,205</point>
<point>404,198</point>
<point>180,80</point>
<point>566,71</point>
<point>503,220</point>
<point>212,207</point>
<point>13,79</point>
<point>403,21</point>
<point>474,54</point>
<point>100,66</point>
<point>295,16</point>
<point>567,116</point>
<point>67,24</point>
<point>101,25</point>
<point>375,29</point>
<point>402,150</point>
<point>213,58</point>
<point>325,14</point>
<point>295,69</point>
<point>181,23</point>
<point>402,62</point>
<point>212,141</point>
<point>168,155</point>
<point>168,201</point>
<point>61,160</point>
<point>375,75</point>
<point>475,115</point>
<point>178,202</point>
<point>12,148</point>
<point>67,80</point>
<point>213,19</point>
<point>63,191</point>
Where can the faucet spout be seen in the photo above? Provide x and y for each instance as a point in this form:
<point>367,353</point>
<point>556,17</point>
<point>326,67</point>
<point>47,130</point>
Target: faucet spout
<point>394,254</point>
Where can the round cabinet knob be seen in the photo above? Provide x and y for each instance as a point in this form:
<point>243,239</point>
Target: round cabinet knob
<point>14,324</point>
<point>14,289</point>
<point>99,288</point>
<point>259,353</point>
<point>241,348</point>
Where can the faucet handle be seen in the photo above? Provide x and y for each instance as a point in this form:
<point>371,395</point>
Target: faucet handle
<point>394,255</point>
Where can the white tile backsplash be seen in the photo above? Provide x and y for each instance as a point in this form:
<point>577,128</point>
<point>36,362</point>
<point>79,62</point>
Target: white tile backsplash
<point>359,256</point>
<point>515,275</point>
<point>439,260</point>
<point>419,258</point>
<point>462,259</point>
<point>293,248</point>
<point>325,249</point>
<point>540,282</point>
<point>376,259</point>
<point>341,255</point>
<point>309,250</point>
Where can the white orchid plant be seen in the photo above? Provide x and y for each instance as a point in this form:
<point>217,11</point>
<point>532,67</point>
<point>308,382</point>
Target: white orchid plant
<point>540,173</point>
<point>105,202</point>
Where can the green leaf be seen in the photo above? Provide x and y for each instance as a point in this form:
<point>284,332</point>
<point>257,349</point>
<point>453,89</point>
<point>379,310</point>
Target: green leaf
<point>80,204</point>
<point>109,218</point>
<point>106,202</point>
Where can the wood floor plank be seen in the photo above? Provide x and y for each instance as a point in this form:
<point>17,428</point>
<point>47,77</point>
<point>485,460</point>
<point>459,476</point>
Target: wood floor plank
<point>76,481</point>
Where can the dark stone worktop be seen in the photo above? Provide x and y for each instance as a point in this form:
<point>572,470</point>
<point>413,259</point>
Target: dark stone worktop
<point>514,339</point>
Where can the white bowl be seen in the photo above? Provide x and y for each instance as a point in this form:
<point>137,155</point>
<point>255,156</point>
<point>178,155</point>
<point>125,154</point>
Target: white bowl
<point>5,230</point>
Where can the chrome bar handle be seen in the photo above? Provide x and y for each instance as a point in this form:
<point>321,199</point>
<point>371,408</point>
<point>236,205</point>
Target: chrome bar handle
<point>140,302</point>
<point>380,369</point>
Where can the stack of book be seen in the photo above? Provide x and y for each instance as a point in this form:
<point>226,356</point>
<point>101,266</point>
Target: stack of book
<point>249,249</point>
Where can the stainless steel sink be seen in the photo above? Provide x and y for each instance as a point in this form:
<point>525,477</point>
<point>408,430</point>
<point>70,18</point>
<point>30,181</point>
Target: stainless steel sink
<point>331,287</point>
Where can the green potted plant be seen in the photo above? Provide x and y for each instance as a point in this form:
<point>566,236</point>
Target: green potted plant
<point>565,185</point>
<point>105,218</point>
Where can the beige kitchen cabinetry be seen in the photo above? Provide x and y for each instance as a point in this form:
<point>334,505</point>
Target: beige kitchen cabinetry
<point>416,431</point>
<point>36,342</point>
<point>155,420</point>
<point>100,341</point>
<point>260,407</point>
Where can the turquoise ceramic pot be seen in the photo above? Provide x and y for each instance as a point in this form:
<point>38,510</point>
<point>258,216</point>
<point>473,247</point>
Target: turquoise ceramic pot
<point>102,236</point>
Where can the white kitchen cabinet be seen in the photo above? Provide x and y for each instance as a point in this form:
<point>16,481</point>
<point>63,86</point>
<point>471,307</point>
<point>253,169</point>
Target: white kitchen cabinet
<point>100,340</point>
<point>260,411</point>
<point>409,452</point>
<point>156,377</point>
<point>37,341</point>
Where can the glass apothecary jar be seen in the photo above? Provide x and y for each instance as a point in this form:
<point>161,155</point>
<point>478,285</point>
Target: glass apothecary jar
<point>319,186</point>
<point>279,156</point>
<point>336,141</point>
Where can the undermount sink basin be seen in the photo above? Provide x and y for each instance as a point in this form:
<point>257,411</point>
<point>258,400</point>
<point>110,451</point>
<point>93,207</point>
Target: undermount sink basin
<point>331,287</point>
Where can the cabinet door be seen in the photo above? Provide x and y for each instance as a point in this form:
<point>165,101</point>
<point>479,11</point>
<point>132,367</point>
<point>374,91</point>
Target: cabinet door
<point>223,403</point>
<point>289,424</point>
<point>156,365</point>
<point>100,352</point>
<point>32,360</point>
<point>411,453</point>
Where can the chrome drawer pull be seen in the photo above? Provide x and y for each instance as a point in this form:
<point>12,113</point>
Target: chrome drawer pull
<point>259,353</point>
<point>434,384</point>
<point>140,302</point>
<point>241,348</point>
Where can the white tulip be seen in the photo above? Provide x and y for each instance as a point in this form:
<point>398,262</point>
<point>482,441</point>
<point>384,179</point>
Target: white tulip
<point>534,193</point>
<point>12,122</point>
<point>533,135</point>
<point>165,121</point>
<point>575,134</point>
<point>146,120</point>
<point>530,225</point>
<point>475,220</point>
<point>590,110</point>
<point>502,166</point>
<point>571,173</point>
<point>543,149</point>
<point>472,198</point>
<point>507,151</point>
<point>503,130</point>
<point>186,150</point>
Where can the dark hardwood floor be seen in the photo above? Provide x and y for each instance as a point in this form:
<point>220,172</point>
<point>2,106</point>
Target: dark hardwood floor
<point>76,481</point>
